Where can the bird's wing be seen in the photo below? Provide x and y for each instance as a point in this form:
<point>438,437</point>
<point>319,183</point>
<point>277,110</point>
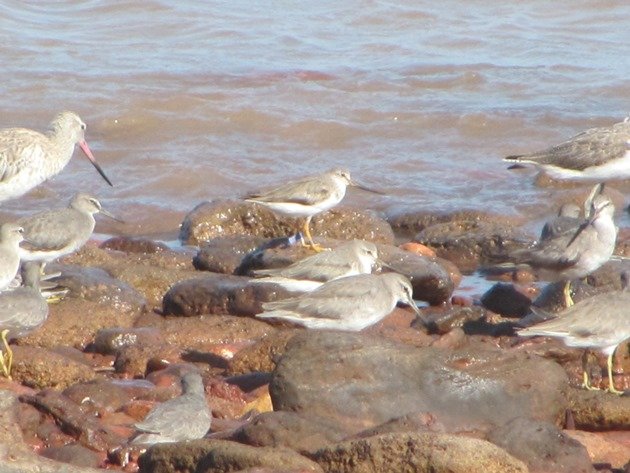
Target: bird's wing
<point>167,416</point>
<point>589,148</point>
<point>333,300</point>
<point>51,230</point>
<point>320,267</point>
<point>18,147</point>
<point>305,191</point>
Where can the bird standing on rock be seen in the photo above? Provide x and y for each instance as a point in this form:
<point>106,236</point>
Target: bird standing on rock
<point>306,197</point>
<point>28,157</point>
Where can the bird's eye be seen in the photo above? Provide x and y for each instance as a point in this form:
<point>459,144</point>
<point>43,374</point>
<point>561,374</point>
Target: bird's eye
<point>96,203</point>
<point>20,230</point>
<point>83,126</point>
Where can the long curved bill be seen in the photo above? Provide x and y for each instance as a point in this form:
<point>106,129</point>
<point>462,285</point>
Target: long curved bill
<point>86,149</point>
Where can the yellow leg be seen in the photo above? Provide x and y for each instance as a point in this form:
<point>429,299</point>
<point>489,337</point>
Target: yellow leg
<point>6,361</point>
<point>611,384</point>
<point>307,233</point>
<point>568,300</point>
<point>586,382</point>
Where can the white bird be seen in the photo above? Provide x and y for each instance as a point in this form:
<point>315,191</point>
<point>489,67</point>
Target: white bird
<point>28,157</point>
<point>351,303</point>
<point>186,417</point>
<point>349,259</point>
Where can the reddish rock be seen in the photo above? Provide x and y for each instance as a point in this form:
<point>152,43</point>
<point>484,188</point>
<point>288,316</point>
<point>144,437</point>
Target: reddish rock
<point>74,454</point>
<point>599,410</point>
<point>133,245</point>
<point>261,356</point>
<point>98,396</point>
<point>225,254</point>
<point>604,448</point>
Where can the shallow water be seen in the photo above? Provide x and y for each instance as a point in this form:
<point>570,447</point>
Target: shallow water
<point>202,100</point>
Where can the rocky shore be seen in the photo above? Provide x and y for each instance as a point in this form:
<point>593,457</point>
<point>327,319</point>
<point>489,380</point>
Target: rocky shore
<point>460,394</point>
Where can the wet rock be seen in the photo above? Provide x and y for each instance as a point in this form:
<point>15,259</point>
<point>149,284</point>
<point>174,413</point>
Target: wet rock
<point>86,429</point>
<point>110,341</point>
<point>232,217</point>
<point>541,446</point>
<point>472,238</point>
<point>225,254</point>
<point>287,429</point>
<point>598,410</point>
<point>444,320</point>
<point>133,245</point>
<point>604,448</point>
<point>506,300</point>
<point>261,356</point>
<point>74,454</point>
<point>98,396</point>
<point>357,381</point>
<point>75,322</point>
<point>408,452</point>
<point>429,276</point>
<point>41,368</point>
<point>220,456</point>
<point>219,294</point>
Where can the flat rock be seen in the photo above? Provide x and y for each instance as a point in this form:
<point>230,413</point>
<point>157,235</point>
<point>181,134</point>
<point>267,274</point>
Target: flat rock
<point>417,452</point>
<point>73,453</point>
<point>611,448</point>
<point>261,356</point>
<point>220,456</point>
<point>233,217</point>
<point>42,368</point>
<point>542,446</point>
<point>219,294</point>
<point>358,381</point>
<point>98,395</point>
<point>506,300</point>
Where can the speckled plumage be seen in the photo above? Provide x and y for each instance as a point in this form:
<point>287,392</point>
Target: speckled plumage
<point>28,157</point>
<point>598,154</point>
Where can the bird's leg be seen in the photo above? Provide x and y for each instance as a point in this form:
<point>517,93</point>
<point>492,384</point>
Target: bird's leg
<point>568,300</point>
<point>611,384</point>
<point>6,362</point>
<point>586,382</point>
<point>307,233</point>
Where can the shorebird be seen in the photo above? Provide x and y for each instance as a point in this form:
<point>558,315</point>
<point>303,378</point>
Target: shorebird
<point>600,322</point>
<point>577,250</point>
<point>307,197</point>
<point>598,154</point>
<point>351,303</point>
<point>349,259</point>
<point>55,233</point>
<point>186,417</point>
<point>22,310</point>
<point>28,157</point>
<point>11,235</point>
